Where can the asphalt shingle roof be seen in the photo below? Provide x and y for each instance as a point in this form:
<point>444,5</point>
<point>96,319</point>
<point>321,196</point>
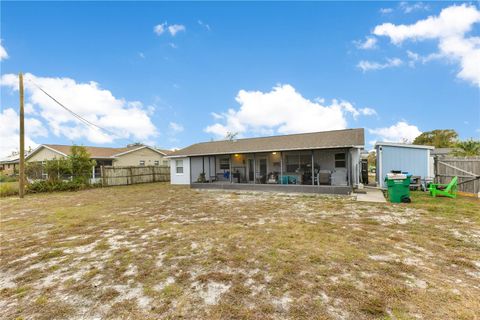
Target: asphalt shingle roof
<point>302,141</point>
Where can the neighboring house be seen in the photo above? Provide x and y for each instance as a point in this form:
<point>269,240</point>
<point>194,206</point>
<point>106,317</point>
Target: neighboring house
<point>9,165</point>
<point>132,155</point>
<point>320,162</point>
<point>411,158</point>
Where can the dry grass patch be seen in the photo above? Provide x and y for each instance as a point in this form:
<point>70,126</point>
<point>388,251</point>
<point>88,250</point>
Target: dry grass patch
<point>160,251</point>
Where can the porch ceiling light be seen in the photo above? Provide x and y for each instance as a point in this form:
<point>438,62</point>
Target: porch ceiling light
<point>237,155</point>
<point>274,153</point>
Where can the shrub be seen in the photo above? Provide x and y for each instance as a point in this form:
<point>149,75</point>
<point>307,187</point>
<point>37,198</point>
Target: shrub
<point>51,186</point>
<point>5,178</point>
<point>8,189</point>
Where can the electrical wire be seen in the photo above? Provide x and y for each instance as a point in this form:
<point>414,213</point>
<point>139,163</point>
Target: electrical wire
<point>77,116</point>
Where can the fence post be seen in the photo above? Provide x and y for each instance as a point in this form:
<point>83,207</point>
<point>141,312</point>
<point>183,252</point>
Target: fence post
<point>131,175</point>
<point>153,173</point>
<point>102,175</point>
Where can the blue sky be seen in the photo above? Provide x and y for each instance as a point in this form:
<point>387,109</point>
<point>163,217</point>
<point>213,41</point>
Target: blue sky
<point>279,67</point>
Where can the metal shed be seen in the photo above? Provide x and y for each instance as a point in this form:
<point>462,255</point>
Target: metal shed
<point>414,159</point>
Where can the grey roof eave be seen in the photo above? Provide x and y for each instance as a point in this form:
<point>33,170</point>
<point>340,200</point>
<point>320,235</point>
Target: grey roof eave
<point>262,151</point>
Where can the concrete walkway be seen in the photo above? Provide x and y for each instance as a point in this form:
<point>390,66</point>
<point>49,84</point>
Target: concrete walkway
<point>372,195</point>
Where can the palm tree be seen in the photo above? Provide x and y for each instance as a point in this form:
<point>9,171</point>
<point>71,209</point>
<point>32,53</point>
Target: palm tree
<point>467,148</point>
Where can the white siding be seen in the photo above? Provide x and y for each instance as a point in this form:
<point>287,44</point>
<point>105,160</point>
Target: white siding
<point>415,161</point>
<point>180,178</point>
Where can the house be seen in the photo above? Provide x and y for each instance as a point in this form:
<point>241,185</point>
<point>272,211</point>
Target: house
<point>132,155</point>
<point>319,162</point>
<point>9,166</point>
<point>411,158</point>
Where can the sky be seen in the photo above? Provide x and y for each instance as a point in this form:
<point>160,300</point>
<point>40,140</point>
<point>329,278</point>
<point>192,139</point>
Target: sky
<point>173,74</point>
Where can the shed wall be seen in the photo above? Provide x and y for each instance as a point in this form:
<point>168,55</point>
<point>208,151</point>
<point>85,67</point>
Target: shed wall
<point>412,160</point>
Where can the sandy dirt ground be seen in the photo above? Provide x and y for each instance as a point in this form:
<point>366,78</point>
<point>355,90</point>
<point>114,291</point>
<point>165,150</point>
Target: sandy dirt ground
<point>159,251</point>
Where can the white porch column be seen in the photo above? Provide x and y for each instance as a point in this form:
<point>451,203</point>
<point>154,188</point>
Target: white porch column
<point>313,171</point>
<point>230,169</point>
<point>254,169</point>
<point>281,167</point>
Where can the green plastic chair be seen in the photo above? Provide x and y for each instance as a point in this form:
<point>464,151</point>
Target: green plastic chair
<point>446,190</point>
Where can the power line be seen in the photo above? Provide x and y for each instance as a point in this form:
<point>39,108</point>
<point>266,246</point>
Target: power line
<point>77,116</point>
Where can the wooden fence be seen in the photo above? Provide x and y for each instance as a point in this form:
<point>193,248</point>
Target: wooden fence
<point>118,176</point>
<point>466,169</point>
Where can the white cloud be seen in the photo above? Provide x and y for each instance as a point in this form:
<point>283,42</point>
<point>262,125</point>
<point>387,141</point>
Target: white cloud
<point>282,110</point>
<point>175,127</point>
<point>369,43</point>
<point>386,10</point>
<point>408,7</point>
<point>205,25</point>
<point>399,132</point>
<point>373,65</point>
<point>449,28</point>
<point>9,131</point>
<point>160,28</point>
<point>3,52</point>
<point>368,112</point>
<point>175,28</point>
<point>126,119</point>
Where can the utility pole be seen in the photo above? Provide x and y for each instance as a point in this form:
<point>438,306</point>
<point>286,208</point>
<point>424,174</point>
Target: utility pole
<point>21,182</point>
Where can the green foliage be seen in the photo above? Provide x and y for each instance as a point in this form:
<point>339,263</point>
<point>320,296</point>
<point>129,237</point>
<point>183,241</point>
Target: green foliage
<point>8,189</point>
<point>55,185</point>
<point>81,164</point>
<point>57,169</point>
<point>5,178</point>
<point>70,174</point>
<point>372,159</point>
<point>440,138</point>
<point>467,148</point>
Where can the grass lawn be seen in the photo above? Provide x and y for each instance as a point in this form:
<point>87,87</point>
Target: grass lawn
<point>159,251</point>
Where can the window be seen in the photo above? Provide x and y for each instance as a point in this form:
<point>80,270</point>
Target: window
<point>224,163</point>
<point>340,160</point>
<point>142,162</point>
<point>179,166</point>
<point>156,162</point>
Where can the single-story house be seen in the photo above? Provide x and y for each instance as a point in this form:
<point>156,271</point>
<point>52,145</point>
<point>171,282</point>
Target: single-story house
<point>9,166</point>
<point>411,158</point>
<point>132,155</point>
<point>319,162</point>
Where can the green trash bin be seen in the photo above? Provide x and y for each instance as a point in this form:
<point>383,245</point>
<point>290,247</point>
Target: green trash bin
<point>398,187</point>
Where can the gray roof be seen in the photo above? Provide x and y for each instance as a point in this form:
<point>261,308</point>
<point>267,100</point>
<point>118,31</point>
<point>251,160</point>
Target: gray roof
<point>403,145</point>
<point>302,141</point>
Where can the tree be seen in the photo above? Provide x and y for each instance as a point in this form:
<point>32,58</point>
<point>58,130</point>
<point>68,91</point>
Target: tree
<point>81,164</point>
<point>440,138</point>
<point>467,148</point>
<point>372,158</point>
<point>231,136</point>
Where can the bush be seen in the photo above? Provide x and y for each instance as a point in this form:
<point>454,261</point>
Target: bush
<point>8,189</point>
<point>52,186</point>
<point>5,178</point>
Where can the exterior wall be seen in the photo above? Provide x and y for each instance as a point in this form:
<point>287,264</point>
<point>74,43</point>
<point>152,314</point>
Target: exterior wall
<point>355,165</point>
<point>323,160</point>
<point>45,154</point>
<point>8,168</point>
<point>180,178</point>
<point>133,158</point>
<point>208,166</point>
<point>412,160</point>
